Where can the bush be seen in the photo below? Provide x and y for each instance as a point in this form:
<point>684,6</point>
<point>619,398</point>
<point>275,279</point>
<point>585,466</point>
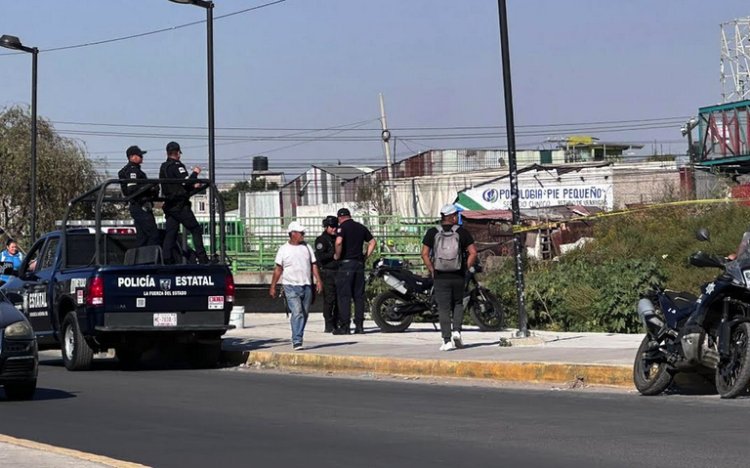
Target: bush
<point>596,288</point>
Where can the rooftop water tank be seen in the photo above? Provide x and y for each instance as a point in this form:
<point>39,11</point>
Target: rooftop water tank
<point>260,163</point>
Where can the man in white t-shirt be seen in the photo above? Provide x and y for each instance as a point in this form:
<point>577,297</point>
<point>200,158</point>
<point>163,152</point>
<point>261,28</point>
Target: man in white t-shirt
<point>296,267</point>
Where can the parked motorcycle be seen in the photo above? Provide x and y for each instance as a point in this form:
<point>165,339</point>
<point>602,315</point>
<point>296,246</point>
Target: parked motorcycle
<point>411,295</point>
<point>709,333</point>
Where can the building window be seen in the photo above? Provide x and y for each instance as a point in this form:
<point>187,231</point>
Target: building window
<point>202,207</point>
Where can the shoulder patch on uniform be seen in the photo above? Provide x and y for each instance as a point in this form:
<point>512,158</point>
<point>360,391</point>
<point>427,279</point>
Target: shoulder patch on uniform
<point>182,169</point>
<point>319,246</point>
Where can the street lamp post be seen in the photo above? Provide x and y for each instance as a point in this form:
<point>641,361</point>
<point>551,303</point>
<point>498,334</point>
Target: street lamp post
<point>523,327</point>
<point>209,6</point>
<point>12,42</point>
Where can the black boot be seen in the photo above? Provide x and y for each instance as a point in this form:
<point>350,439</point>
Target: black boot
<point>342,330</point>
<point>329,328</point>
<point>359,329</point>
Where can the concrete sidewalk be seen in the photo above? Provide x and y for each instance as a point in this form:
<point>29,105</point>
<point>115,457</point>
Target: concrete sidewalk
<point>590,358</point>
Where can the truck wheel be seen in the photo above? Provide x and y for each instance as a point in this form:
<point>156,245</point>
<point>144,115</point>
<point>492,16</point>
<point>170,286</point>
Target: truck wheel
<point>204,355</point>
<point>20,390</point>
<point>76,353</point>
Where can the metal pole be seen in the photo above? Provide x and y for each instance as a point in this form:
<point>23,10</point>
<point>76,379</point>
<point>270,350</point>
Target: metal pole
<point>386,136</point>
<point>211,135</point>
<point>523,329</point>
<point>34,54</point>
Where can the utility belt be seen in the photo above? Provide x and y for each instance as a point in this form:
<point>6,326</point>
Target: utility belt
<point>349,260</point>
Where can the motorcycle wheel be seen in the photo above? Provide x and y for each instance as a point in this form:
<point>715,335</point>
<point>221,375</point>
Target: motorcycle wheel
<point>385,317</point>
<point>650,377</point>
<point>486,311</point>
<point>733,373</point>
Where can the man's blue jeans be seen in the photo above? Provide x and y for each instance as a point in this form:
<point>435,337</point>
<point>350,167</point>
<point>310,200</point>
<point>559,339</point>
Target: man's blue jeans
<point>298,300</point>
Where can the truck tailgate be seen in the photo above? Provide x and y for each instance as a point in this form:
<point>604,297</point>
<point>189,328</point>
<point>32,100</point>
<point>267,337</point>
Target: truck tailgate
<point>182,296</point>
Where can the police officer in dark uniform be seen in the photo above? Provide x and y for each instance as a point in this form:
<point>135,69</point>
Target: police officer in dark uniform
<point>177,204</point>
<point>350,278</point>
<point>325,248</point>
<point>140,207</point>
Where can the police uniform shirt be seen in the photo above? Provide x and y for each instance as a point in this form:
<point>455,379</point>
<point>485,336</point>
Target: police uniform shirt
<point>465,239</point>
<point>353,235</point>
<point>325,247</point>
<point>174,169</point>
<point>133,171</point>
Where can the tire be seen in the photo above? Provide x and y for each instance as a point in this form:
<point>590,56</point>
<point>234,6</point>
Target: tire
<point>650,378</point>
<point>76,353</point>
<point>733,373</point>
<point>383,315</point>
<point>129,358</point>
<point>486,310</point>
<point>204,355</point>
<point>20,390</point>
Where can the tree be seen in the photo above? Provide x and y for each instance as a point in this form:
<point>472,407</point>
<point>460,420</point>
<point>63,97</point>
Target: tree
<point>373,195</point>
<point>63,171</point>
<point>230,196</point>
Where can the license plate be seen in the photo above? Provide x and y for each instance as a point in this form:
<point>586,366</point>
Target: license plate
<point>215,302</point>
<point>165,320</point>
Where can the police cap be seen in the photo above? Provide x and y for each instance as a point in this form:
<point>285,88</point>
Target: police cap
<point>331,221</point>
<point>134,150</point>
<point>173,146</point>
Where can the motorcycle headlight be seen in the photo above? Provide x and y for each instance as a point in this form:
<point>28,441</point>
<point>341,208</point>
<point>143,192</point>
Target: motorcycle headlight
<point>19,330</point>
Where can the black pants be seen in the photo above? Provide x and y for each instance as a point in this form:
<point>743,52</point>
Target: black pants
<point>145,225</point>
<point>449,296</point>
<point>182,215</point>
<point>330,301</point>
<point>350,284</point>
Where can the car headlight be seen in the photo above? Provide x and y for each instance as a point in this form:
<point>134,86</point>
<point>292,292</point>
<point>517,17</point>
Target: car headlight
<point>20,329</point>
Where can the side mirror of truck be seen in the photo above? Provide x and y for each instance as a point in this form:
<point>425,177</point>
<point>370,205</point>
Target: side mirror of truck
<point>9,270</point>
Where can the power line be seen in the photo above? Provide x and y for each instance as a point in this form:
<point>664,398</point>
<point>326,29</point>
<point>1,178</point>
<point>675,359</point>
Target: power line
<point>149,33</point>
<point>676,120</point>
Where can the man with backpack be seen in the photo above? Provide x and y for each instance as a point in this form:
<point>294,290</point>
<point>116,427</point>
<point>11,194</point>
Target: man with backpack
<point>448,253</point>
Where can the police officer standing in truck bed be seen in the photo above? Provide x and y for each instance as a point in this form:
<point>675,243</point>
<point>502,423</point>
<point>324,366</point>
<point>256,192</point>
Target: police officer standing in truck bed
<point>177,204</point>
<point>141,207</point>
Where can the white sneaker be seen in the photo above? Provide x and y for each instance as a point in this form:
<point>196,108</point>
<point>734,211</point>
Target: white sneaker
<point>456,339</point>
<point>449,346</point>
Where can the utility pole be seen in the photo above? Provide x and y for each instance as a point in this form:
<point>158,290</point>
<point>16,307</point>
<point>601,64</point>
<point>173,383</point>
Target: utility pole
<point>386,136</point>
<point>523,327</point>
<point>687,130</point>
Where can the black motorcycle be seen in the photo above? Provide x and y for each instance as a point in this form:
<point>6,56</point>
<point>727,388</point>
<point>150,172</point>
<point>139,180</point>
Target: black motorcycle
<point>705,334</point>
<point>411,295</point>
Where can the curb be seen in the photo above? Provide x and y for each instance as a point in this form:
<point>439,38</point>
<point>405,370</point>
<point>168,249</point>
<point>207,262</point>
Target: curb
<point>530,372</point>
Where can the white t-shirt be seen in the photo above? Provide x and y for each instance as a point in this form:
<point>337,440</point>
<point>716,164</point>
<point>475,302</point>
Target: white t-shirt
<point>296,261</point>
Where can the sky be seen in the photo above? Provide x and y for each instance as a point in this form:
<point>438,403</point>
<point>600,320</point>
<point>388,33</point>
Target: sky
<point>298,81</point>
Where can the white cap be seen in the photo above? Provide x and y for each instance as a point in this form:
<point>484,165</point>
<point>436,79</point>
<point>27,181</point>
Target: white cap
<point>295,226</point>
<point>448,209</point>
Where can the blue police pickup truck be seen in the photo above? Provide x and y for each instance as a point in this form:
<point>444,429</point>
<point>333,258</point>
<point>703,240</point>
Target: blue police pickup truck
<point>89,290</point>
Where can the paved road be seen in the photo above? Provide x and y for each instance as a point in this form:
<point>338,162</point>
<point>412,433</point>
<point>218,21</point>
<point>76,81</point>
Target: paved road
<point>186,418</point>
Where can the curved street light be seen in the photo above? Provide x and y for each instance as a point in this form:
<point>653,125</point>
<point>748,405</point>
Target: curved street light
<point>12,42</point>
<point>209,6</point>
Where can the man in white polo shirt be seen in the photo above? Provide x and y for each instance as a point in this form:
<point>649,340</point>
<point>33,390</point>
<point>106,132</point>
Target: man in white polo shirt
<point>296,267</point>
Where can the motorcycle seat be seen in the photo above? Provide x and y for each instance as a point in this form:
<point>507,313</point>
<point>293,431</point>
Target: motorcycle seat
<point>417,283</point>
